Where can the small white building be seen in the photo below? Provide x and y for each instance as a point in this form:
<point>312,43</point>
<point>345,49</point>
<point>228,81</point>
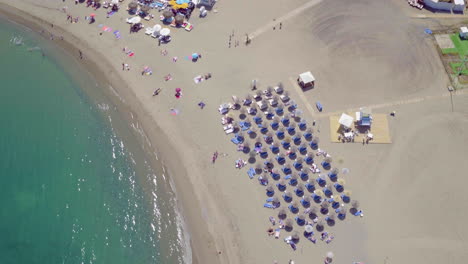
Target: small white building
<point>464,32</point>
<point>457,6</point>
<point>306,79</point>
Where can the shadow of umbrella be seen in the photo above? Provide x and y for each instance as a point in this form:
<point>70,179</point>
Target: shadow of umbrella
<point>299,190</point>
<point>326,163</point>
<point>282,213</point>
<point>281,185</point>
<point>270,190</point>
<point>313,212</point>
<point>306,201</point>
<point>320,226</point>
<point>330,219</point>
<point>314,143</point>
<point>333,174</point>
<point>288,225</point>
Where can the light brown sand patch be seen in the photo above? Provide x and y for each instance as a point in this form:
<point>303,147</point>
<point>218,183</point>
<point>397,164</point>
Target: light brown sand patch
<point>444,41</point>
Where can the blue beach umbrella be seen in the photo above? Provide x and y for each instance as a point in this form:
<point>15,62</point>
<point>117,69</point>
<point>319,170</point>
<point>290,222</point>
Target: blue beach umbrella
<point>296,139</point>
<point>309,158</point>
<point>310,187</point>
<point>274,147</point>
<point>324,207</point>
<point>287,197</point>
<point>341,213</point>
<point>263,153</point>
<point>285,121</point>
<point>270,191</point>
<point>328,191</point>
<point>275,174</point>
<point>308,134</point>
<point>302,125</point>
<point>330,219</point>
<point>335,202</point>
<point>321,181</point>
<point>292,152</point>
<point>346,196</point>
<point>300,219</point>
<point>279,111</point>
<point>298,164</point>
<point>280,159</point>
<point>304,175</point>
<point>285,144</point>
<point>287,169</point>
<point>280,133</point>
<point>291,130</point>
<point>258,120</point>
<point>317,197</point>
<point>268,138</point>
<point>299,190</point>
<point>303,149</point>
<point>294,207</point>
<point>326,163</point>
<point>339,187</point>
<point>281,185</point>
<point>314,143</point>
<point>274,125</point>
<point>305,201</point>
<point>333,175</point>
<point>293,181</point>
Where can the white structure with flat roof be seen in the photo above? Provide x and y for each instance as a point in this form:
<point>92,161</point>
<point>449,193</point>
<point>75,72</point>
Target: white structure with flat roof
<point>457,6</point>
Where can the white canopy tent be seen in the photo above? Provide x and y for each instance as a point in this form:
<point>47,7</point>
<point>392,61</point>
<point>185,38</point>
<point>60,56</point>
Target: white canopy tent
<point>346,120</point>
<point>306,79</point>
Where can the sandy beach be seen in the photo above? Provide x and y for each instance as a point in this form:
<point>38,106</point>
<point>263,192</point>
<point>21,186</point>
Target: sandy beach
<point>411,191</point>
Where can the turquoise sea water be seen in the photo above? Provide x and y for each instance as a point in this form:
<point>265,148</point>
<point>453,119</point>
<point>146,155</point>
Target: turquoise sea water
<point>72,191</point>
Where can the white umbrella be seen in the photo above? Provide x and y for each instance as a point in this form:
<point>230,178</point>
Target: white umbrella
<point>115,2</point>
<point>309,228</point>
<point>135,20</point>
<point>157,28</point>
<point>165,32</point>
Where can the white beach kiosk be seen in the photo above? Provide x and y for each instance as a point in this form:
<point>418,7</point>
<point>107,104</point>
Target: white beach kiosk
<point>306,80</point>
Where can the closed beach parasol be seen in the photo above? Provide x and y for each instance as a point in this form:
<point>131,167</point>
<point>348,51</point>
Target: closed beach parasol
<point>165,32</point>
<point>145,9</point>
<point>133,5</point>
<point>167,14</point>
<point>282,213</point>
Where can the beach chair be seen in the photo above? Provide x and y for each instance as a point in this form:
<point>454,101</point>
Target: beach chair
<point>251,173</point>
<point>258,120</point>
<point>277,233</point>
<point>319,106</point>
<point>275,176</point>
<point>297,165</point>
<point>274,125</point>
<point>268,205</point>
<point>286,170</point>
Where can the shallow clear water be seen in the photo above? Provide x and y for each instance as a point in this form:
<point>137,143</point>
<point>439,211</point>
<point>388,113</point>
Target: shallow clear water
<point>71,190</point>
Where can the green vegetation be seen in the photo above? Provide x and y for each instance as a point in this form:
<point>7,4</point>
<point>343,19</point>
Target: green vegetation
<point>461,48</point>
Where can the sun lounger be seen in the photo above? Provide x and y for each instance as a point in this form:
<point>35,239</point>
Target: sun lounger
<point>277,233</point>
<point>268,205</point>
<point>278,89</point>
<point>251,173</point>
<point>235,140</point>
